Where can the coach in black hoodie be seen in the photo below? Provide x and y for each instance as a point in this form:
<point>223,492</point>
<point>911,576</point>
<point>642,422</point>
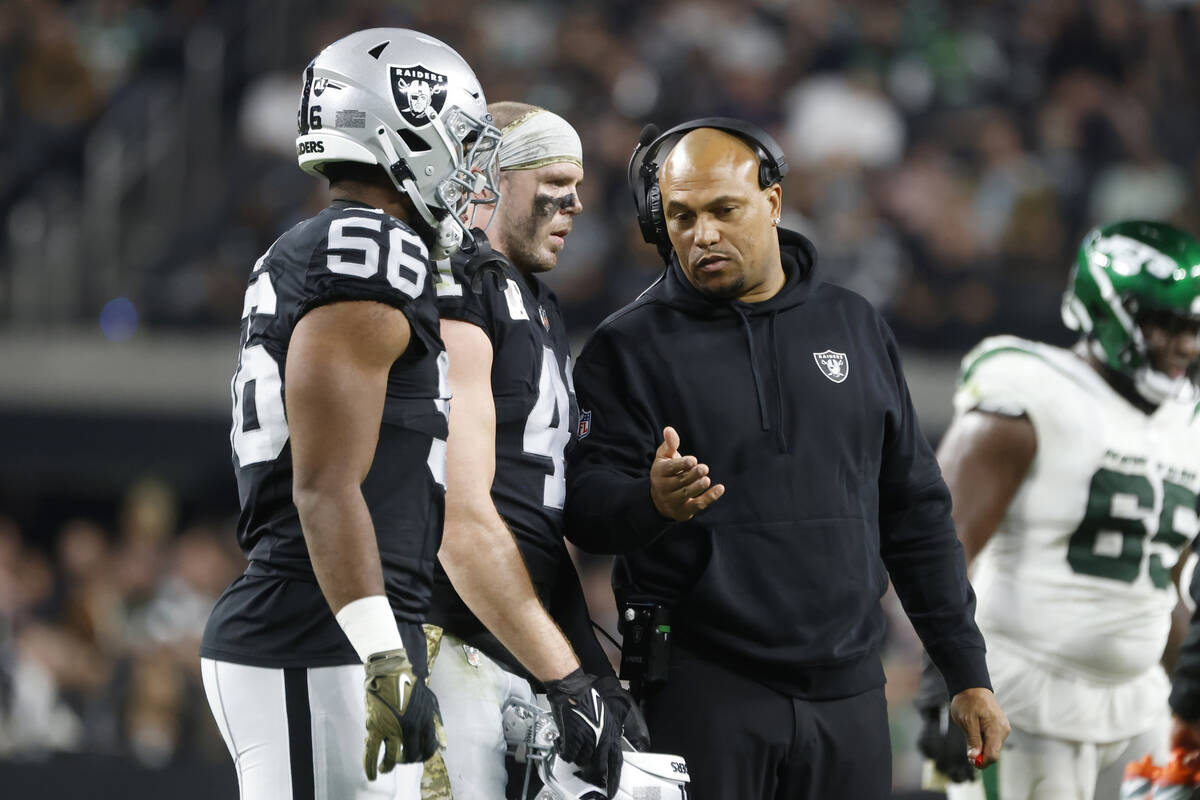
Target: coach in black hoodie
<point>790,392</point>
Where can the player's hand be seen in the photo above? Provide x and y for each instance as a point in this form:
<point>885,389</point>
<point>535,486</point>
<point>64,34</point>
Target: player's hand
<point>983,723</point>
<point>1185,735</point>
<point>633,724</point>
<point>402,714</point>
<point>679,484</point>
<point>943,743</point>
<point>589,734</point>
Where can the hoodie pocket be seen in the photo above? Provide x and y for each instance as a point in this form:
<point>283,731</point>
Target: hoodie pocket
<point>809,585</point>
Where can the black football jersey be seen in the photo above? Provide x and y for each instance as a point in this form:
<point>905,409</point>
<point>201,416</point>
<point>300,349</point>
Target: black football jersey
<point>536,419</point>
<point>275,614</point>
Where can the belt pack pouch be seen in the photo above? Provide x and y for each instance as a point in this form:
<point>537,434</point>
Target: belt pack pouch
<point>645,629</point>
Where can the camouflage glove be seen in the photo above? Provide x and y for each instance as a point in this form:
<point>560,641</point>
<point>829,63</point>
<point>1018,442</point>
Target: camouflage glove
<point>589,734</point>
<point>402,713</point>
<point>633,724</point>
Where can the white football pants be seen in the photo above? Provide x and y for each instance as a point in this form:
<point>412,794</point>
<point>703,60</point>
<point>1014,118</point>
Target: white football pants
<point>298,734</point>
<point>1036,767</point>
<point>472,690</point>
<point>1033,767</point>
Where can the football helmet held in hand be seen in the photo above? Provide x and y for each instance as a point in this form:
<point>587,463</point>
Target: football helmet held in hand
<point>531,737</point>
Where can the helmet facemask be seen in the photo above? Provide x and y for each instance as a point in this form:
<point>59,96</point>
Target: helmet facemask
<point>473,144</point>
<point>1152,383</point>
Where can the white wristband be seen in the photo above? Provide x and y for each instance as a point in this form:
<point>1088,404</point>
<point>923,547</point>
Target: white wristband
<point>370,626</point>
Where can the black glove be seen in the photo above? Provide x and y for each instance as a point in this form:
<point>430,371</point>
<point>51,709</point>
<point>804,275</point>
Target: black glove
<point>633,724</point>
<point>589,733</point>
<point>941,740</point>
<point>402,713</point>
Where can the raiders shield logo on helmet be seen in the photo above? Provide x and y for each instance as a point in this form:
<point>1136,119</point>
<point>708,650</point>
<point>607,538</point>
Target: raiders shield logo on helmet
<point>419,93</point>
<point>834,366</point>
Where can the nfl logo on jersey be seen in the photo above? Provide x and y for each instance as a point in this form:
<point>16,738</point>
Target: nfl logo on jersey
<point>585,423</point>
<point>545,318</point>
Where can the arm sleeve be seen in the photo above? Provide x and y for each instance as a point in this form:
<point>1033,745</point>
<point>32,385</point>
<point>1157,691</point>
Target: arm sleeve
<point>568,606</point>
<point>919,547</point>
<point>608,508</point>
<point>1185,683</point>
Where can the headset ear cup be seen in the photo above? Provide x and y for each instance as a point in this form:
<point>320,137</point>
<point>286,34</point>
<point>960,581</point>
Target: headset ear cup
<point>769,172</point>
<point>654,209</point>
<point>766,174</point>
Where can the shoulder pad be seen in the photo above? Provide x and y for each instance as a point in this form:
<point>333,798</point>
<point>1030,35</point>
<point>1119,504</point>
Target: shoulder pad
<point>997,345</point>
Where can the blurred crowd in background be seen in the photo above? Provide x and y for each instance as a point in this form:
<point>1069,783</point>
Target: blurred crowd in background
<point>946,158</point>
<point>99,631</point>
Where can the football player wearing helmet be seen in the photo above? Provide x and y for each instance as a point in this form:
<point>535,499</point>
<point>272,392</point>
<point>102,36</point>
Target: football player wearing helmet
<point>514,414</point>
<point>1074,475</point>
<point>339,432</point>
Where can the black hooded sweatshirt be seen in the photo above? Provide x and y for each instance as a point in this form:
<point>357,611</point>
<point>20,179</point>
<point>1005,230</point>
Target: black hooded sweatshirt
<point>799,406</point>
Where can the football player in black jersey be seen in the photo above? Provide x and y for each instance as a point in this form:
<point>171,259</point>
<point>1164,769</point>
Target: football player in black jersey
<point>340,405</point>
<point>513,416</point>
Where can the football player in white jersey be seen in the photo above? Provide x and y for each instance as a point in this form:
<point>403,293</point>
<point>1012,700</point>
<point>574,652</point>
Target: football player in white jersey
<point>1075,475</point>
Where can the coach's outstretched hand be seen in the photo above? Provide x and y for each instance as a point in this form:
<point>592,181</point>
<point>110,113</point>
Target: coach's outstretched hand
<point>402,714</point>
<point>589,734</point>
<point>983,723</point>
<point>679,484</point>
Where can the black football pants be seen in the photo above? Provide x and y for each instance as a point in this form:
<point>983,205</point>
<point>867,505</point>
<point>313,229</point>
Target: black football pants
<point>745,741</point>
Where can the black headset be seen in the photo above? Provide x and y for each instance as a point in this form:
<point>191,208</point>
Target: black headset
<point>643,169</point>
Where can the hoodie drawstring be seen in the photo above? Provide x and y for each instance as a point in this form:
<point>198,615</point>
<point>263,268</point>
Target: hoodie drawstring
<point>758,384</point>
<point>778,384</point>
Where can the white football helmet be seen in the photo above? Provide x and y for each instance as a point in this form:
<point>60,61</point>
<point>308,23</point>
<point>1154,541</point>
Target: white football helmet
<point>412,105</point>
<point>530,734</point>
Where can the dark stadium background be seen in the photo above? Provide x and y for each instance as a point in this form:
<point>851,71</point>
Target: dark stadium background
<point>946,157</point>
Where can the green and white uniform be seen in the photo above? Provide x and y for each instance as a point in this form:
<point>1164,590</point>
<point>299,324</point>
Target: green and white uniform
<point>1074,589</point>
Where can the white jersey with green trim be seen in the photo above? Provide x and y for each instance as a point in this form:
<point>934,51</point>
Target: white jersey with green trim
<point>1077,576</point>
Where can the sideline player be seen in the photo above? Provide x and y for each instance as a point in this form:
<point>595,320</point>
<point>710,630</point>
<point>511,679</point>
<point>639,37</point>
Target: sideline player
<point>1074,475</point>
<point>512,417</point>
<point>339,428</point>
